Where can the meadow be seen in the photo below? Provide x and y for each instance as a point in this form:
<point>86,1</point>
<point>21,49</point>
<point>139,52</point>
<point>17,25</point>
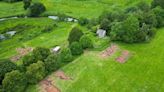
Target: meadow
<point>143,72</point>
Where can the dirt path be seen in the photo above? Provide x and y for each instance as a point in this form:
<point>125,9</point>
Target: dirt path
<point>47,86</point>
<point>123,57</point>
<point>62,75</point>
<point>109,51</point>
<point>21,52</point>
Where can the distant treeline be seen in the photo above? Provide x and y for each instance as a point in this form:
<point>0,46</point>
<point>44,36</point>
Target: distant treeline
<point>11,1</point>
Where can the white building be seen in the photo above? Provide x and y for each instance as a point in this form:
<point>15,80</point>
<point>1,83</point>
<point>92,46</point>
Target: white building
<point>101,33</point>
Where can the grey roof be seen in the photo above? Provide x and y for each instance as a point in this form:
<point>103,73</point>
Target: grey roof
<point>101,33</point>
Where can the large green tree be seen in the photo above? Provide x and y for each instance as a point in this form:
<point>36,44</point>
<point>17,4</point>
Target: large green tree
<point>76,48</point>
<point>35,72</point>
<point>75,35</point>
<point>158,3</point>
<point>5,67</point>
<point>36,9</point>
<point>65,56</point>
<point>51,63</point>
<point>14,81</point>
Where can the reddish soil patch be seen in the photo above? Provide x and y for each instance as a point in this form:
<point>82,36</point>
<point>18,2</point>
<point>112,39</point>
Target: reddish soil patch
<point>47,86</point>
<point>109,51</point>
<point>61,75</point>
<point>124,57</point>
<point>21,52</point>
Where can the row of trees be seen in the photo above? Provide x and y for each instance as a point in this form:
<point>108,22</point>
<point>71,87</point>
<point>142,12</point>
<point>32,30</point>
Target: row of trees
<point>39,63</point>
<point>11,1</point>
<point>33,9</point>
<point>133,24</point>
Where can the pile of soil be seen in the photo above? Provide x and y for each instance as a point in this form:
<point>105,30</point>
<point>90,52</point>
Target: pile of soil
<point>124,57</point>
<point>62,75</point>
<point>21,52</point>
<point>109,51</point>
<point>47,86</point>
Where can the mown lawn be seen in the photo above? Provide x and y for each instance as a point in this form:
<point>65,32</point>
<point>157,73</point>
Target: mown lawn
<point>143,72</point>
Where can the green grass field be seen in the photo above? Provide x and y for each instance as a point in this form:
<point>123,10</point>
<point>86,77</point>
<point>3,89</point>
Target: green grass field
<point>143,72</point>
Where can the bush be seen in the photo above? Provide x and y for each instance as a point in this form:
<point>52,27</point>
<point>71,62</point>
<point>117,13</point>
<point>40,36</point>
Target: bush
<point>76,48</point>
<point>75,35</point>
<point>86,42</point>
<point>14,81</point>
<point>51,63</point>
<point>27,4</point>
<point>106,25</point>
<point>36,9</point>
<point>11,1</point>
<point>65,56</point>
<point>35,72</point>
<point>41,53</point>
<point>144,6</point>
<point>126,30</point>
<point>5,67</point>
<point>159,12</point>
<point>83,21</point>
<point>148,18</point>
<point>29,59</point>
<point>158,3</point>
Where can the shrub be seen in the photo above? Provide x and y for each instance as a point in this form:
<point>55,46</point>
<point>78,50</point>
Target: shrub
<point>36,9</point>
<point>51,63</point>
<point>11,1</point>
<point>29,59</point>
<point>5,67</point>
<point>14,81</point>
<point>75,35</point>
<point>159,12</point>
<point>83,21</point>
<point>105,24</point>
<point>148,18</point>
<point>143,6</point>
<point>41,53</point>
<point>126,30</point>
<point>157,3</point>
<point>86,42</point>
<point>76,48</point>
<point>35,72</point>
<point>27,4</point>
<point>65,56</point>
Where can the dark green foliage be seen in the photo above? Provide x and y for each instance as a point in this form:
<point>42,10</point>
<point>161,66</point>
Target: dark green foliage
<point>11,1</point>
<point>27,4</point>
<point>5,67</point>
<point>126,30</point>
<point>75,35</point>
<point>86,42</point>
<point>149,18</point>
<point>107,18</point>
<point>83,21</point>
<point>51,63</point>
<point>106,25</point>
<point>158,3</point>
<point>35,72</point>
<point>143,6</point>
<point>36,9</point>
<point>41,53</point>
<point>65,56</point>
<point>76,48</point>
<point>159,12</point>
<point>14,81</point>
<point>29,59</point>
